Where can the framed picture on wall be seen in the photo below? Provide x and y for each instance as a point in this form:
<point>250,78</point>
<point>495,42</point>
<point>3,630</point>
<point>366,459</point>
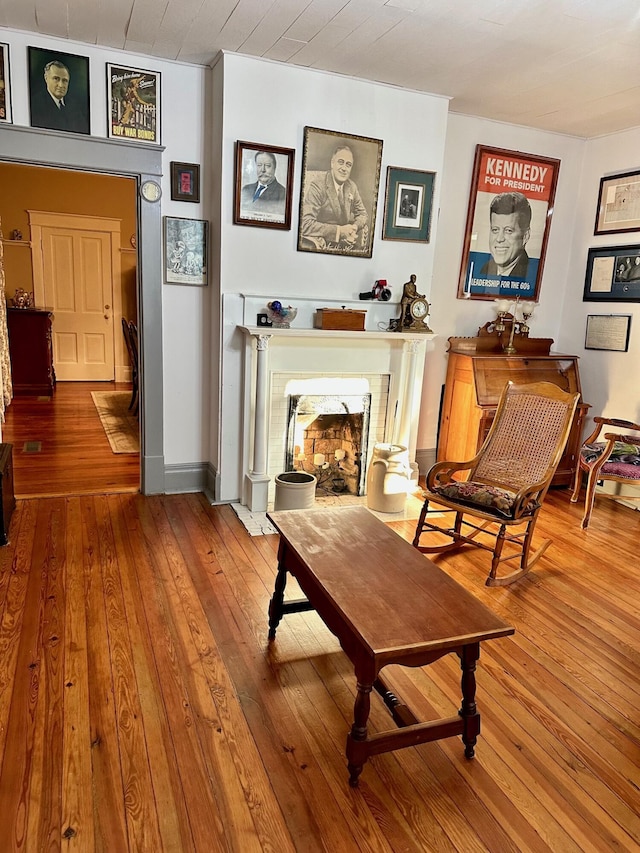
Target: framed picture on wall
<point>508,222</point>
<point>59,90</point>
<point>613,275</point>
<point>185,251</point>
<point>133,101</point>
<point>407,205</point>
<point>618,204</point>
<point>185,182</point>
<point>608,332</point>
<point>263,185</point>
<point>5,84</point>
<point>339,193</point>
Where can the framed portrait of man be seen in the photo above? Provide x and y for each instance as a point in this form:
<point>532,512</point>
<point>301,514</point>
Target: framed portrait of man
<point>133,98</point>
<point>339,193</point>
<point>263,185</point>
<point>59,90</point>
<point>508,223</point>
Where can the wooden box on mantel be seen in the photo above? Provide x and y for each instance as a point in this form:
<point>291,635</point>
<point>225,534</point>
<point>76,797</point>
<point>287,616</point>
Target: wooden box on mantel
<point>350,319</point>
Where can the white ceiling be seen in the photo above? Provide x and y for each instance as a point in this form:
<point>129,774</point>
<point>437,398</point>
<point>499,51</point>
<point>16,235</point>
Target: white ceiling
<point>570,66</point>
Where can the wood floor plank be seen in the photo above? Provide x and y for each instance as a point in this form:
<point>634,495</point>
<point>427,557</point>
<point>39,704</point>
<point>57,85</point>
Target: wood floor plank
<point>123,631</point>
<point>77,805</point>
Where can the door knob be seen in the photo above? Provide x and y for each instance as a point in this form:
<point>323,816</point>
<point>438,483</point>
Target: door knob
<point>106,307</point>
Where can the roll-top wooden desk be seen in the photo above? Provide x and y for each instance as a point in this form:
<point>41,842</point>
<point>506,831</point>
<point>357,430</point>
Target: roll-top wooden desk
<point>478,370</point>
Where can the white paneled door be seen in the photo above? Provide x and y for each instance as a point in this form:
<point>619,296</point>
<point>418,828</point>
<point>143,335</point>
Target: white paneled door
<point>75,281</point>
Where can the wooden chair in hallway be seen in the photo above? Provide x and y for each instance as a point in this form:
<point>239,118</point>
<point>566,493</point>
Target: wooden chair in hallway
<point>617,459</point>
<point>130,332</point>
<point>502,488</point>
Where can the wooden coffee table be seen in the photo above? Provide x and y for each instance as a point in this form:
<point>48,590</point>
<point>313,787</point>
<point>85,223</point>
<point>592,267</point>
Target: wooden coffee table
<point>387,604</point>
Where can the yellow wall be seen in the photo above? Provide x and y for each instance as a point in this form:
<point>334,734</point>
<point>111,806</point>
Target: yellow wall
<point>24,188</point>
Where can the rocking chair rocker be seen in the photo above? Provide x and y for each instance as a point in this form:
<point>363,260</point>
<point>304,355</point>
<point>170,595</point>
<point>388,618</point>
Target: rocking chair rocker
<point>507,479</point>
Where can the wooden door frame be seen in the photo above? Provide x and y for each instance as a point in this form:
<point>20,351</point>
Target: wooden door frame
<point>32,146</point>
<point>39,219</point>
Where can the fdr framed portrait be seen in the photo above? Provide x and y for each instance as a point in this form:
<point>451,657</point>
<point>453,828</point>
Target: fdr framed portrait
<point>59,90</point>
<point>508,222</point>
<point>339,193</point>
<point>263,185</point>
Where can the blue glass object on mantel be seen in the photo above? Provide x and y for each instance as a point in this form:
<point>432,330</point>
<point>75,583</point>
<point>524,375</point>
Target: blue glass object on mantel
<point>280,315</point>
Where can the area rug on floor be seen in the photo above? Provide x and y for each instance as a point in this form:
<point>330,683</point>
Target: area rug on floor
<point>120,426</point>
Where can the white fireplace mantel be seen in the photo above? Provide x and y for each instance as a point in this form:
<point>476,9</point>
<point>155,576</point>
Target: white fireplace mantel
<point>400,355</point>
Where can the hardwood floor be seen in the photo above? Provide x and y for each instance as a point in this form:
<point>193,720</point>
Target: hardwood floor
<point>75,456</point>
<point>143,709</point>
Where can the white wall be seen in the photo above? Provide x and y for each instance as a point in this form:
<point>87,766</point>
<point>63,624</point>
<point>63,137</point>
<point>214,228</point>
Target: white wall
<point>609,379</point>
<point>271,103</point>
<point>187,374</point>
<point>461,317</point>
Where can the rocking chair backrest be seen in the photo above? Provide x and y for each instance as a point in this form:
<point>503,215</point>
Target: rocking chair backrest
<point>527,437</point>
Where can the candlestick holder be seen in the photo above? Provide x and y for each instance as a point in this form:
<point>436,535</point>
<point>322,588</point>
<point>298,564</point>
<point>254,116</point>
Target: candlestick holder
<point>508,324</point>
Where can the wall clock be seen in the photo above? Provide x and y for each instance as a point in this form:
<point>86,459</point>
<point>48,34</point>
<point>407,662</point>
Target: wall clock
<point>151,191</point>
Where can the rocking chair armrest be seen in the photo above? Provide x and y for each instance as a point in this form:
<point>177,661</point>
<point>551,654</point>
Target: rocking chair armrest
<point>442,472</point>
<point>528,494</point>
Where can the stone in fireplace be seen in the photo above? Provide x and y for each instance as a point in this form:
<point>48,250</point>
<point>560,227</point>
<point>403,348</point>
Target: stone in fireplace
<point>327,436</point>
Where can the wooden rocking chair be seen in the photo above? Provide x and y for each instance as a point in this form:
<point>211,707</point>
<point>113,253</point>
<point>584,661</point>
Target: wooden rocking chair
<point>507,480</point>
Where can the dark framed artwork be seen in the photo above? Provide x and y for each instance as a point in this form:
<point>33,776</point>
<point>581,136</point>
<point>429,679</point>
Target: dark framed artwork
<point>185,182</point>
<point>508,223</point>
<point>133,103</point>
<point>339,193</point>
<point>263,185</point>
<point>59,90</point>
<point>613,275</point>
<point>618,204</point>
<point>608,332</point>
<point>408,204</point>
<point>186,251</point>
<point>5,85</point>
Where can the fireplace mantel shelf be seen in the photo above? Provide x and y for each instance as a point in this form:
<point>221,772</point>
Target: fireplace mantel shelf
<point>292,332</point>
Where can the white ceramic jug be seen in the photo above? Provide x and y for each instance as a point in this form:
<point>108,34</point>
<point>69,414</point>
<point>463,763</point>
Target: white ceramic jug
<point>388,478</point>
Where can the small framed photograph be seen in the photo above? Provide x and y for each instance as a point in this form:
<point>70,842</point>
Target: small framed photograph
<point>5,85</point>
<point>618,204</point>
<point>133,102</point>
<point>263,185</point>
<point>59,90</point>
<point>508,224</point>
<point>608,332</point>
<point>185,182</point>
<point>408,204</point>
<point>339,193</point>
<point>613,275</point>
<point>185,251</point>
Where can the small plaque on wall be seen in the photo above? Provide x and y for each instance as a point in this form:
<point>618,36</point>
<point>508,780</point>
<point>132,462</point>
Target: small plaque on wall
<point>608,332</point>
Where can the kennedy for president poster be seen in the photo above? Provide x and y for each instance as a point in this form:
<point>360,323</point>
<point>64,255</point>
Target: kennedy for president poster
<point>508,223</point>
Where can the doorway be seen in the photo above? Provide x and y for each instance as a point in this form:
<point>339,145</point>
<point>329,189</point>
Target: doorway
<point>88,155</point>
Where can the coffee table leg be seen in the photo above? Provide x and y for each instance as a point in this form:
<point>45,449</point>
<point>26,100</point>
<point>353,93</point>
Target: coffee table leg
<point>275,605</point>
<point>468,711</point>
<point>357,752</point>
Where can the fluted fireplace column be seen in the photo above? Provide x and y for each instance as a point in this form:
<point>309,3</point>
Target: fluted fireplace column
<point>257,480</point>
